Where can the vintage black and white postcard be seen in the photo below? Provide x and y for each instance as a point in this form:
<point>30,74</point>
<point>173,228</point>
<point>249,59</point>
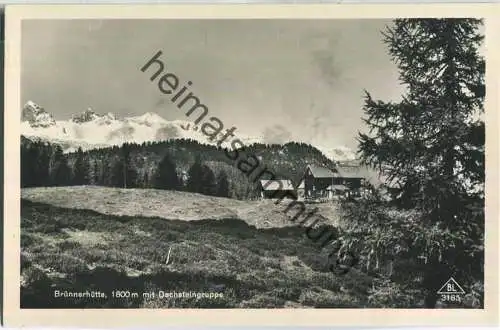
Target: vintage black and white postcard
<point>251,165</point>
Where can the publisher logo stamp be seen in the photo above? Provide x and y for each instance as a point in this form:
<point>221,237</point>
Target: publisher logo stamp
<point>451,291</point>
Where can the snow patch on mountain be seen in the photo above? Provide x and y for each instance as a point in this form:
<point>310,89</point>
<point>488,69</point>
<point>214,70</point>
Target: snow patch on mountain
<point>90,130</point>
<point>149,119</point>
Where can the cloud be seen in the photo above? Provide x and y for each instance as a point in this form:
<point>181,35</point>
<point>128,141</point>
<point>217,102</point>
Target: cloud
<point>277,134</point>
<point>323,50</point>
<point>325,62</point>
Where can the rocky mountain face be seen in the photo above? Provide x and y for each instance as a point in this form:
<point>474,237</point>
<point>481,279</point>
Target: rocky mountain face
<point>85,117</point>
<point>36,116</point>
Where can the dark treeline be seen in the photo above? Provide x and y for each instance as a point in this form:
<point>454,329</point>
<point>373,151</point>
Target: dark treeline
<point>172,165</point>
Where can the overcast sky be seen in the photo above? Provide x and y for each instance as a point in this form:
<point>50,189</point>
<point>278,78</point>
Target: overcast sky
<point>306,76</point>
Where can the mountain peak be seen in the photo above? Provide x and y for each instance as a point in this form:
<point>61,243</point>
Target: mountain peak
<point>30,110</point>
<point>36,115</point>
<point>86,116</point>
<point>148,118</point>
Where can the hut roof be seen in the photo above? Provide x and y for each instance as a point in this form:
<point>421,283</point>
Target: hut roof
<point>321,172</point>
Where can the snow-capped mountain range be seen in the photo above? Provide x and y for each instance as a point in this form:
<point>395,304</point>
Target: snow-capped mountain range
<point>90,130</point>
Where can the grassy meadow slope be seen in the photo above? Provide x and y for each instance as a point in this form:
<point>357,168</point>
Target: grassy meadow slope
<point>89,238</point>
<point>172,205</point>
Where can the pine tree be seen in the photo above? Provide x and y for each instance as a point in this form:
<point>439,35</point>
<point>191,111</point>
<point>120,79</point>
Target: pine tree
<point>28,161</point>
<point>122,176</point>
<point>430,146</point>
<point>194,183</point>
<point>117,177</point>
<point>41,165</point>
<point>107,170</point>
<point>146,180</point>
<point>131,175</point>
<point>62,172</point>
<point>81,169</point>
<point>222,185</point>
<point>57,155</point>
<point>122,173</point>
<point>52,153</point>
<point>208,183</point>
<point>125,164</point>
<point>166,174</point>
<point>95,173</point>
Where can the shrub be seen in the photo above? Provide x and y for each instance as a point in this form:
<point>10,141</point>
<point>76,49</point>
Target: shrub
<point>61,262</point>
<point>475,298</point>
<point>25,261</point>
<point>68,245</point>
<point>287,293</point>
<point>387,294</point>
<point>36,278</point>
<point>28,240</point>
<point>36,290</point>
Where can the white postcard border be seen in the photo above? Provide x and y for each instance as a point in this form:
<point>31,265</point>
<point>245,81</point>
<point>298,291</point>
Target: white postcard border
<point>14,316</point>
